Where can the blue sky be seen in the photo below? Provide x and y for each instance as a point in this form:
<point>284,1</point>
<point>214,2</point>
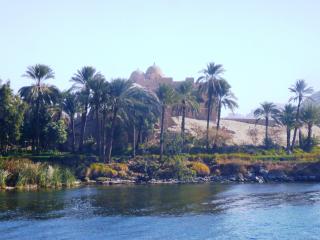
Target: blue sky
<point>264,45</point>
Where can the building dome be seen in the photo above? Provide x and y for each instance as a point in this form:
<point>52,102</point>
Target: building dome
<point>137,76</point>
<point>154,73</point>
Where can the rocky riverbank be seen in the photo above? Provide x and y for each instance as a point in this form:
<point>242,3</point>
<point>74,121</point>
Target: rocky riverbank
<point>266,172</point>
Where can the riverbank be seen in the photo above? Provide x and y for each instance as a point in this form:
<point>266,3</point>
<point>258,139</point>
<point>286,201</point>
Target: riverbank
<point>68,170</point>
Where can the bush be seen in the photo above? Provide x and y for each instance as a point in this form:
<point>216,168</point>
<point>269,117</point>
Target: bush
<point>119,167</point>
<point>176,167</point>
<point>200,168</point>
<point>3,177</point>
<point>101,170</point>
<point>23,172</point>
<point>173,143</point>
<point>67,178</point>
<point>148,167</point>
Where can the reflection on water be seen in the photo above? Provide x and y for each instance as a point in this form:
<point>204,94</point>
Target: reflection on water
<point>115,200</point>
<point>144,210</point>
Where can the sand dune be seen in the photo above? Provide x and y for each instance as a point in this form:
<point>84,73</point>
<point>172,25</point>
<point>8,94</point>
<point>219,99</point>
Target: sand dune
<point>238,129</point>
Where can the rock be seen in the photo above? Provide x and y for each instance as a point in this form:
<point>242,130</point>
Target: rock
<point>240,178</point>
<point>277,175</point>
<point>263,172</point>
<point>259,179</point>
<point>89,181</point>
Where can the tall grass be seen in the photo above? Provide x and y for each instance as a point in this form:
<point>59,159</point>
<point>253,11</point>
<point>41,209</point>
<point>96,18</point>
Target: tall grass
<point>21,173</point>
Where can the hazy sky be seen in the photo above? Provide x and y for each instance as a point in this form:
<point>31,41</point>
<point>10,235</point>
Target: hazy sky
<point>264,45</point>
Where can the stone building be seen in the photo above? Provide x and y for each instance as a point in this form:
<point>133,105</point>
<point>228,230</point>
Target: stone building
<point>153,77</point>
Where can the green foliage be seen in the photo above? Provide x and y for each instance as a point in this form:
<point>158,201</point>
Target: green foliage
<point>3,177</point>
<point>173,143</point>
<point>97,170</point>
<point>147,166</point>
<point>176,167</point>
<point>22,173</point>
<point>200,168</point>
<point>56,132</point>
<point>11,117</point>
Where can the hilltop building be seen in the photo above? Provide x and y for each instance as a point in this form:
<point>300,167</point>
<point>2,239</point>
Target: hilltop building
<point>153,77</point>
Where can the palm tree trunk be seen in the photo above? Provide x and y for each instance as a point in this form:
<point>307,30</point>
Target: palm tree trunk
<point>83,127</point>
<point>288,139</point>
<point>38,125</point>
<point>73,138</point>
<point>296,127</point>
<point>98,130</point>
<point>162,131</point>
<point>219,116</point>
<point>309,136</point>
<point>134,140</point>
<point>103,139</point>
<point>183,125</point>
<point>110,142</point>
<point>208,121</point>
<point>300,138</point>
<point>139,138</point>
<point>267,128</point>
<point>218,122</point>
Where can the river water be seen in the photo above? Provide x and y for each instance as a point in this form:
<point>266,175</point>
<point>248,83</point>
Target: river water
<point>195,211</point>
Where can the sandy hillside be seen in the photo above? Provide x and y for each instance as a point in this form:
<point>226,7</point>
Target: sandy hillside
<point>238,129</point>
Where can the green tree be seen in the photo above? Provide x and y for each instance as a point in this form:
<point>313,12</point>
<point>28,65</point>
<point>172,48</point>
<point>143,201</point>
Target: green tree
<point>301,91</point>
<point>310,115</point>
<point>144,105</point>
<point>225,98</point>
<point>208,87</point>
<point>82,80</point>
<point>121,96</point>
<point>187,102</point>
<point>39,94</point>
<point>167,96</point>
<point>97,85</point>
<point>105,110</point>
<point>70,105</point>
<point>287,118</point>
<point>268,111</point>
<point>56,133</point>
<point>11,117</point>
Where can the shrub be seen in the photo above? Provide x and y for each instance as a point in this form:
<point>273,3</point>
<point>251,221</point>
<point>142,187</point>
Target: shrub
<point>22,172</point>
<point>119,167</point>
<point>3,177</point>
<point>28,174</point>
<point>148,166</point>
<point>67,178</point>
<point>101,170</point>
<point>176,167</point>
<point>200,168</point>
<point>173,143</point>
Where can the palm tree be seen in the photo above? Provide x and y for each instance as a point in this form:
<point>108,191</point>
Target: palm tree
<point>268,111</point>
<point>208,86</point>
<point>287,118</point>
<point>70,106</point>
<point>105,110</point>
<point>97,88</point>
<point>39,94</point>
<point>81,81</point>
<point>167,96</point>
<point>122,94</point>
<point>145,104</point>
<point>310,115</point>
<point>187,103</point>
<point>301,91</point>
<point>226,99</point>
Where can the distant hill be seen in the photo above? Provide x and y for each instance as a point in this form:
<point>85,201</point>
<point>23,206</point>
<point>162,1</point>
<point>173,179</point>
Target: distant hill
<point>316,97</point>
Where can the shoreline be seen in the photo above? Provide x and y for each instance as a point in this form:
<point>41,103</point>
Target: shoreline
<point>205,180</point>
